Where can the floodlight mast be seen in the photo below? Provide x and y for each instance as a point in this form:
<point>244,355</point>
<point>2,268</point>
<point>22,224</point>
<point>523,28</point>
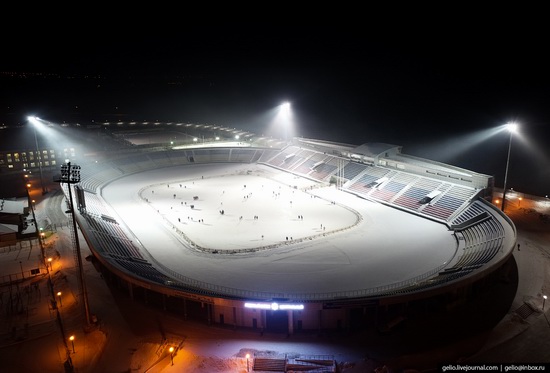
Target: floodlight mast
<point>70,174</point>
<point>512,128</point>
<point>40,242</point>
<point>285,112</point>
<point>34,121</point>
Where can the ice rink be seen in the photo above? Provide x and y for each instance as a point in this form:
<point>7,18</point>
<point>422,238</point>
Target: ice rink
<point>255,229</point>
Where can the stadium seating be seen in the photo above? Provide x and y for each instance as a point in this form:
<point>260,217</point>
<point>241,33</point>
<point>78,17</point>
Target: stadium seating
<point>481,235</point>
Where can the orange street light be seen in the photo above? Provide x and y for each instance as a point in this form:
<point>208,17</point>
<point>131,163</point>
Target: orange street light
<point>59,295</point>
<point>171,349</point>
<point>247,365</point>
<point>71,338</point>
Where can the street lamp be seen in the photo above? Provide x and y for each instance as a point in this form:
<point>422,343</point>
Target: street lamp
<point>247,365</point>
<point>543,301</point>
<point>512,128</point>
<point>59,295</point>
<point>171,349</point>
<point>32,205</point>
<point>50,263</point>
<point>71,338</point>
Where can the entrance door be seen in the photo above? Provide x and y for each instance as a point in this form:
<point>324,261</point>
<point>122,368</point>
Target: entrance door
<point>277,321</point>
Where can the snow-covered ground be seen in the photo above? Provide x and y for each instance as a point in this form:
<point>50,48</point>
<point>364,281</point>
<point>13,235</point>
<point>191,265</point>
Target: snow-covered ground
<point>129,336</point>
<point>289,234</point>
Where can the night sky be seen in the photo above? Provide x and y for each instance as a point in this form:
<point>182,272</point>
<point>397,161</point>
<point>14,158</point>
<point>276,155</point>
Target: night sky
<point>430,87</point>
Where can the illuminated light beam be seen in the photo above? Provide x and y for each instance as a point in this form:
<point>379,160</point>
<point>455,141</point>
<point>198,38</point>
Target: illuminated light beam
<point>531,146</point>
<point>285,108</point>
<point>446,150</point>
<point>512,128</point>
<point>282,121</point>
<point>35,122</point>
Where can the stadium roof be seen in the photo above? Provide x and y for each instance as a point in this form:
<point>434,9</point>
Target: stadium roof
<point>375,149</point>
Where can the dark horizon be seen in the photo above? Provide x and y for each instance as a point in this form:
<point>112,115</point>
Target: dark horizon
<point>428,93</point>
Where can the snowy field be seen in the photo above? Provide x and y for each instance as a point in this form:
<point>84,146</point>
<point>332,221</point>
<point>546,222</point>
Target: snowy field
<point>256,212</point>
<point>256,229</point>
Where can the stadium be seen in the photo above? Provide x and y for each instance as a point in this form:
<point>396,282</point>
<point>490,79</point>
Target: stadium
<point>235,229</point>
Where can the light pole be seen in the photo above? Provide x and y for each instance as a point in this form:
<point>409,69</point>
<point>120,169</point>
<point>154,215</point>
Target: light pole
<point>32,206</point>
<point>284,113</point>
<point>543,301</point>
<point>247,365</point>
<point>59,295</point>
<point>70,174</point>
<point>171,349</point>
<point>71,338</point>
<point>512,128</point>
<point>34,122</point>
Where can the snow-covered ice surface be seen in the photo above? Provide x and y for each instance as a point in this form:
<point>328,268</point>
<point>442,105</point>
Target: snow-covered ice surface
<point>279,233</point>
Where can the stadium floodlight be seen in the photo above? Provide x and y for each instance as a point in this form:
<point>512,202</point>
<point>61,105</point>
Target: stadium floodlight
<point>512,128</point>
<point>284,117</point>
<point>285,107</point>
<point>280,119</point>
<point>35,121</point>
